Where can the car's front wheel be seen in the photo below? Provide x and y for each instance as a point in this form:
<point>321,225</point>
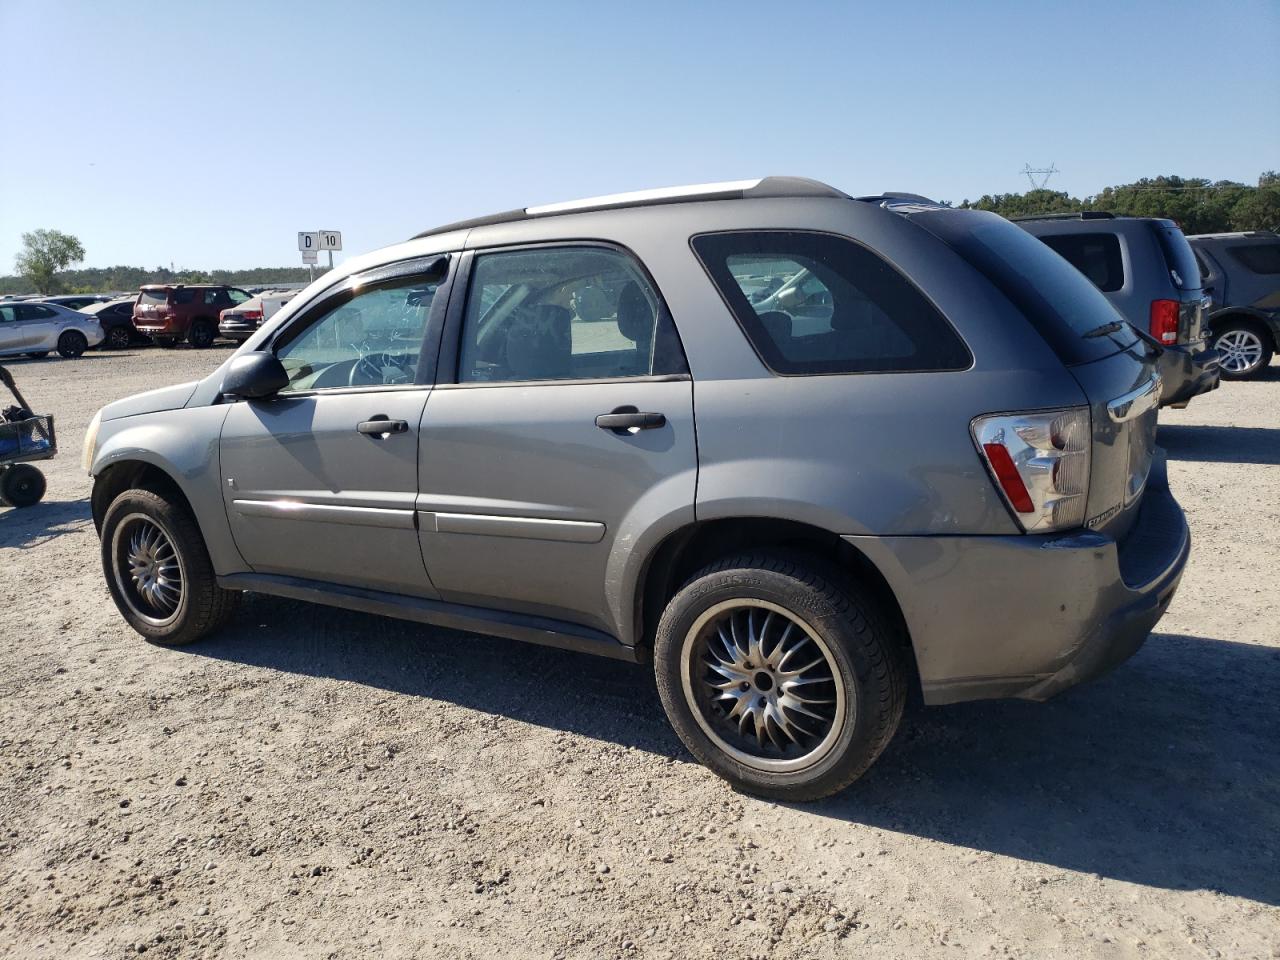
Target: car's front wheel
<point>778,676</point>
<point>158,570</point>
<point>1245,349</point>
<point>72,344</point>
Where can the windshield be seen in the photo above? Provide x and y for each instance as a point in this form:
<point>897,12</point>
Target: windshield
<point>1178,256</point>
<point>1058,300</point>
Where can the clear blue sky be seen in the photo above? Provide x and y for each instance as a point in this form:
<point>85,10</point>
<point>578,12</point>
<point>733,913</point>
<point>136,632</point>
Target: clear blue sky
<point>207,134</point>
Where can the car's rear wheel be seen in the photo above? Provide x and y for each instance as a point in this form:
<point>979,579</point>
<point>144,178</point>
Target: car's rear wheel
<point>158,570</point>
<point>778,676</point>
<point>201,334</point>
<point>72,344</point>
<point>21,485</point>
<point>118,338</point>
<point>1246,350</point>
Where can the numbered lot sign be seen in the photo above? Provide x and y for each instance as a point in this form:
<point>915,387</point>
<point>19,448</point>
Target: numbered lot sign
<point>308,241</point>
<point>330,240</point>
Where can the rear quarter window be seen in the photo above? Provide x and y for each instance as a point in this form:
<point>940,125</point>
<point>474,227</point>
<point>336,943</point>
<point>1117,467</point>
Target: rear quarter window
<point>816,303</point>
<point>1257,257</point>
<point>1096,255</point>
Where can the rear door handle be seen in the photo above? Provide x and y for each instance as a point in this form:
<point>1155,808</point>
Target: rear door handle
<point>381,426</point>
<point>624,419</point>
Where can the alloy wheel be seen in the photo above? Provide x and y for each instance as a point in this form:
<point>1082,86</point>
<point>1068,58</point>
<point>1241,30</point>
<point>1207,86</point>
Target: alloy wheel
<point>1241,350</point>
<point>149,570</point>
<point>763,685</point>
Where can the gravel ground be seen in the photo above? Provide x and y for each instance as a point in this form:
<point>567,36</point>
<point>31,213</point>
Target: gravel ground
<point>315,783</point>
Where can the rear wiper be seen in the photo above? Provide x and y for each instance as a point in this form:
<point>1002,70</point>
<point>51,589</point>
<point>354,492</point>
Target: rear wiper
<point>1115,326</point>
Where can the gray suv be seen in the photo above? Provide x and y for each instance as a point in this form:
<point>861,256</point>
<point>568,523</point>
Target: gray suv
<point>1241,274</point>
<point>1145,267</point>
<point>797,450</point>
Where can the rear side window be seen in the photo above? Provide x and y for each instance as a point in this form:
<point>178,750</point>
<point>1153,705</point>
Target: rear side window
<point>1178,255</point>
<point>1052,294</point>
<point>815,303</point>
<point>1096,255</point>
<point>1258,257</point>
<point>184,296</point>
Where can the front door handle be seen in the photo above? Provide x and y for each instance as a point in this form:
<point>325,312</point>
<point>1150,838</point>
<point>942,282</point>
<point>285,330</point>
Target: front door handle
<point>381,426</point>
<point>625,419</point>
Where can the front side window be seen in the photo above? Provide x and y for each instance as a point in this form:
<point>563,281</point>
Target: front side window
<point>237,297</point>
<point>564,313</point>
<point>1096,255</point>
<point>1258,257</point>
<point>813,303</point>
<point>369,340</point>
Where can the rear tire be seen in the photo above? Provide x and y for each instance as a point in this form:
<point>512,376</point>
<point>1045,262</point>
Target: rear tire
<point>22,485</point>
<point>1246,349</point>
<point>158,570</point>
<point>119,338</point>
<point>201,334</point>
<point>72,344</point>
<point>750,708</point>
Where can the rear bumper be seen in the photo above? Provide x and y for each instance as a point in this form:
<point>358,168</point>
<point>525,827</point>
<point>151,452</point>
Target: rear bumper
<point>1188,370</point>
<point>1030,616</point>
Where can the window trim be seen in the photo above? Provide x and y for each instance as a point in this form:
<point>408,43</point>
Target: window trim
<point>751,342</point>
<point>376,278</point>
<point>451,349</point>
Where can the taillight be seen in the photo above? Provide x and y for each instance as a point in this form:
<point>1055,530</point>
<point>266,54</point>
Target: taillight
<point>1040,462</point>
<point>252,314</point>
<point>1164,320</point>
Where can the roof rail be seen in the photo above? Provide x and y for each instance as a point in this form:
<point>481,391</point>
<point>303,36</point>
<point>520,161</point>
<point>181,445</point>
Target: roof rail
<point>1079,215</point>
<point>895,195</point>
<point>1235,234</point>
<point>728,190</point>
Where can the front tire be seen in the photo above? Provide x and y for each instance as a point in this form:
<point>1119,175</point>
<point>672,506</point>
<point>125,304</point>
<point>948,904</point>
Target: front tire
<point>1246,350</point>
<point>72,344</point>
<point>21,485</point>
<point>158,570</point>
<point>784,680</point>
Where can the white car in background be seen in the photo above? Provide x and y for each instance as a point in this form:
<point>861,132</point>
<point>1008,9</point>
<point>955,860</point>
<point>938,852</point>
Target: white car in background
<point>241,322</point>
<point>36,328</point>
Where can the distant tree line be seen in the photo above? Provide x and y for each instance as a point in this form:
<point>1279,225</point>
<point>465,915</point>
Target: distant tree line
<point>104,279</point>
<point>1197,205</point>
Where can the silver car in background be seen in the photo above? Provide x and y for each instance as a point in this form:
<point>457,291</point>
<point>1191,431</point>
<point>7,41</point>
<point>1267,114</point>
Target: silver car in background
<point>799,451</point>
<point>35,329</point>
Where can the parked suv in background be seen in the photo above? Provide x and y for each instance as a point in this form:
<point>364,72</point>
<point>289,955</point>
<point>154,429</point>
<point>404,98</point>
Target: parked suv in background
<point>570,425</point>
<point>1145,267</point>
<point>169,313</point>
<point>240,323</point>
<point>1241,274</point>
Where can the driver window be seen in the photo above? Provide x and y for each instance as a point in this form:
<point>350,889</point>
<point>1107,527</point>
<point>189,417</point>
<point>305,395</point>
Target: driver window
<point>371,340</point>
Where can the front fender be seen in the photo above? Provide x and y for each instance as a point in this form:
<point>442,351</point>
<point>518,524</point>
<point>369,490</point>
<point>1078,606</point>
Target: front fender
<point>182,444</point>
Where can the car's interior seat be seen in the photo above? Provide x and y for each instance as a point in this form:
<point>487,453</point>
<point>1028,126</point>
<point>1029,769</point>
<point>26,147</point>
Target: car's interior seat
<point>540,343</point>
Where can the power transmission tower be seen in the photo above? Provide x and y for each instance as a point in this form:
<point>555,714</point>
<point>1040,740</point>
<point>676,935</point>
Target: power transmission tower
<point>1039,178</point>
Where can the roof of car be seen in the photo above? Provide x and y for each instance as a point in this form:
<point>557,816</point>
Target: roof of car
<point>727,190</point>
<point>174,286</point>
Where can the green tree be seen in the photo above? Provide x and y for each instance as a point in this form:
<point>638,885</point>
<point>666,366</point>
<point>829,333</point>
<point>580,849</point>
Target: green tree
<point>44,253</point>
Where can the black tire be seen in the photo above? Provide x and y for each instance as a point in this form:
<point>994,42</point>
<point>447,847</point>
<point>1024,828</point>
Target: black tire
<point>861,653</point>
<point>1246,348</point>
<point>38,355</point>
<point>21,485</point>
<point>119,338</point>
<point>72,344</point>
<point>201,334</point>
<point>202,606</point>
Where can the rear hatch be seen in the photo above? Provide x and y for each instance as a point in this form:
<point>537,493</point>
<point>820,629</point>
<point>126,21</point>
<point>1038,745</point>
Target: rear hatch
<point>1115,367</point>
<point>152,305</point>
<point>1180,261</point>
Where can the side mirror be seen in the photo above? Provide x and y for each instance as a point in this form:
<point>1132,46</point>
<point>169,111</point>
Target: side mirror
<point>255,375</point>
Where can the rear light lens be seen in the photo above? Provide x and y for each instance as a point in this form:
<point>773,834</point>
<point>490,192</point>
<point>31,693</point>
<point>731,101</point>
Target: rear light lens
<point>252,314</point>
<point>1164,320</point>
<point>1040,462</point>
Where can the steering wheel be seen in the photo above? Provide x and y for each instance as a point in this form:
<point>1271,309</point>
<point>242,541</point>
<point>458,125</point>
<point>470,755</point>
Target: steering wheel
<point>371,370</point>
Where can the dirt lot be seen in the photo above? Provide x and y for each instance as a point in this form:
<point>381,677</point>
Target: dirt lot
<point>314,783</point>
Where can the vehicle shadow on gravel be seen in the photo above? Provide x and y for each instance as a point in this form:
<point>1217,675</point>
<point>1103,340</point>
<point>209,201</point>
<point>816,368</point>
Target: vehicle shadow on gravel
<point>1220,444</point>
<point>1164,773</point>
<point>38,524</point>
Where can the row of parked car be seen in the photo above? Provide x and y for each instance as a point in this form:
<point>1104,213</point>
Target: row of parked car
<point>166,314</point>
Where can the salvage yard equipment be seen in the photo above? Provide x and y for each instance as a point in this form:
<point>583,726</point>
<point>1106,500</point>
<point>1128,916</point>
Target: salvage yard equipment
<point>24,437</point>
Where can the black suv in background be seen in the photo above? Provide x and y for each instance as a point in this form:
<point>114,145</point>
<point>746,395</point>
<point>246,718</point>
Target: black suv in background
<point>1241,274</point>
<point>1145,267</point>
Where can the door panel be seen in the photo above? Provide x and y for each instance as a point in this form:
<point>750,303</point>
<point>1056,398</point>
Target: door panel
<point>526,505</point>
<point>309,495</point>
